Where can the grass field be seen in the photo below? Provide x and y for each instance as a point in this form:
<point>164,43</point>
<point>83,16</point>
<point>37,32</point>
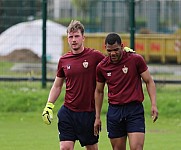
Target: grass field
<point>21,125</point>
<point>20,131</point>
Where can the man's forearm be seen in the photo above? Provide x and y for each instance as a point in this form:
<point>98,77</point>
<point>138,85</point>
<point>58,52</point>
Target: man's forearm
<point>98,103</point>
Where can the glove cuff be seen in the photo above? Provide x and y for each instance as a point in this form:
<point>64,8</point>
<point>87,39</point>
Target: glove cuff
<point>50,105</point>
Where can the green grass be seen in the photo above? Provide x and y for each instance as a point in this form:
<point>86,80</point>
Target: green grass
<point>21,125</point>
<point>30,97</point>
<point>164,134</point>
<point>20,131</point>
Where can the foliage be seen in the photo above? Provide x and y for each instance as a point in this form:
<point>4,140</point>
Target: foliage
<point>85,21</point>
<point>140,22</point>
<point>91,25</point>
<point>13,12</point>
<point>30,97</point>
<point>180,25</point>
<point>84,5</point>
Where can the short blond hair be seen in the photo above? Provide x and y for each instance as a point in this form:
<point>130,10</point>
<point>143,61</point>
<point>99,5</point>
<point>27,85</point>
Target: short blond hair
<point>74,26</point>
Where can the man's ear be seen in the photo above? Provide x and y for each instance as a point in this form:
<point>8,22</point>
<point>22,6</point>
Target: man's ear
<point>83,37</point>
<point>122,46</point>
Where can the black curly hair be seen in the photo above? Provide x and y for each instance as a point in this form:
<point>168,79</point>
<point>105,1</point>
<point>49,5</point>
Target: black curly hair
<point>112,38</point>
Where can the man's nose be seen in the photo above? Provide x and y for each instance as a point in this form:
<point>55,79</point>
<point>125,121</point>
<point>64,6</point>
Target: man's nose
<point>113,52</point>
<point>73,39</point>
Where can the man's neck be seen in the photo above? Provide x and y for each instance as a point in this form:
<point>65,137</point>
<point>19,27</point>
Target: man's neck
<point>80,50</point>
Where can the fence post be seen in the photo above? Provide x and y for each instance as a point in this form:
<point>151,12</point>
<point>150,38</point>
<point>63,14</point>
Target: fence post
<point>44,16</point>
<point>132,23</point>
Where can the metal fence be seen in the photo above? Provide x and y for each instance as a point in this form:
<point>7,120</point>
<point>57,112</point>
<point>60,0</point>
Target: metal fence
<point>157,34</point>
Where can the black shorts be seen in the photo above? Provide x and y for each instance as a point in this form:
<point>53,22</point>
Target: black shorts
<point>74,126</point>
<point>123,119</point>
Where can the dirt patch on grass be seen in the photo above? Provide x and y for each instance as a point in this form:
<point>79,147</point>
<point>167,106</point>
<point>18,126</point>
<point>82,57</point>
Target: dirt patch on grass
<point>21,55</point>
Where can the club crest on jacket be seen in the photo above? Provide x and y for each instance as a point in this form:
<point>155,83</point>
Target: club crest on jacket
<point>85,64</point>
<point>125,69</point>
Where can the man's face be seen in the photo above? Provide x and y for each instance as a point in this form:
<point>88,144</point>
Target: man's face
<point>114,51</point>
<point>75,40</point>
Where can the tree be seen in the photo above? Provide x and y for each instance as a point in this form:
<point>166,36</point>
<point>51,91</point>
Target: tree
<point>13,12</point>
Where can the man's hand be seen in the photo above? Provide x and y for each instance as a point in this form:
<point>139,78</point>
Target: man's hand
<point>47,114</point>
<point>97,127</point>
<point>127,49</point>
<point>154,113</point>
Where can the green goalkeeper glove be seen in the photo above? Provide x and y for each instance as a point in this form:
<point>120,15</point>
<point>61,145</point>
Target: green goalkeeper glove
<point>127,49</point>
<point>47,114</point>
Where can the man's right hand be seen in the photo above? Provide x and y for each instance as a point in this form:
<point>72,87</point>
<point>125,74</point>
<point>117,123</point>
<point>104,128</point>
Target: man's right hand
<point>97,127</point>
<point>47,114</point>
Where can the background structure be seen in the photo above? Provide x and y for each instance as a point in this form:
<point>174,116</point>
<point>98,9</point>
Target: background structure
<point>157,34</point>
